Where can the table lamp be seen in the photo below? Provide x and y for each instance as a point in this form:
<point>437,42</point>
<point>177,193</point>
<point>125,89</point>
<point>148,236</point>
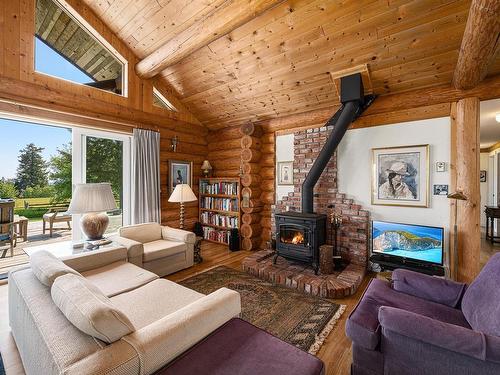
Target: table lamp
<point>182,193</point>
<point>206,167</point>
<point>93,200</point>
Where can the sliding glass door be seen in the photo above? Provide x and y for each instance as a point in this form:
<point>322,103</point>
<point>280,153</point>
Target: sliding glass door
<point>104,157</point>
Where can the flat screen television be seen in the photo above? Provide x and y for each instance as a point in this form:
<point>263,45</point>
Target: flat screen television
<point>407,241</point>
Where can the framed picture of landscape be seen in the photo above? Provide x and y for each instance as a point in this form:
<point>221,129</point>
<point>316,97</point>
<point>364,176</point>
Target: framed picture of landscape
<point>400,176</point>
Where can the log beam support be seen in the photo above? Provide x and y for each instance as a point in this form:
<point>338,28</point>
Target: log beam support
<point>465,178</point>
<point>221,22</point>
<point>479,44</point>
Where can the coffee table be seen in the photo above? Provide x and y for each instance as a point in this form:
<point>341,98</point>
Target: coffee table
<point>65,249</point>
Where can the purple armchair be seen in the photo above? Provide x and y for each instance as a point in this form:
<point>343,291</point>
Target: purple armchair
<point>423,325</point>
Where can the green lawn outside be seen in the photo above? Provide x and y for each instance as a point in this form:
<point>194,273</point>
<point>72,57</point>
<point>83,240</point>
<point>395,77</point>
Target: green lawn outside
<point>20,201</point>
<point>33,213</point>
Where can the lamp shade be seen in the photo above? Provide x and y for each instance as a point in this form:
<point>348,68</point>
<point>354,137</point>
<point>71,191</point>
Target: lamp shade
<point>89,198</point>
<point>206,165</point>
<point>182,193</point>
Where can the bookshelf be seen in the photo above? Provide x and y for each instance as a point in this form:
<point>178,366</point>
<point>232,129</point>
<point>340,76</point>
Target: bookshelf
<point>219,207</point>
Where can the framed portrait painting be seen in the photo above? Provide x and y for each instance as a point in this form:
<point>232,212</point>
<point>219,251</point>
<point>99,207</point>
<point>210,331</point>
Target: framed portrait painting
<point>400,176</point>
<point>179,172</point>
<point>285,173</point>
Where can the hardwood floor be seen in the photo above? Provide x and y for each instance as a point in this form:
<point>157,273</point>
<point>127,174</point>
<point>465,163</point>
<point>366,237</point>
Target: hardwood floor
<point>335,352</point>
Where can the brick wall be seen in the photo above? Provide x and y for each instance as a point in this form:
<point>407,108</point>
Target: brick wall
<point>354,231</point>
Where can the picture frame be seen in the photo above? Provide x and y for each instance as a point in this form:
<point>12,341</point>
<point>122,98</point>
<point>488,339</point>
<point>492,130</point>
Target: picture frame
<point>440,189</point>
<point>440,166</point>
<point>285,173</point>
<point>179,171</point>
<point>400,176</point>
<point>482,176</point>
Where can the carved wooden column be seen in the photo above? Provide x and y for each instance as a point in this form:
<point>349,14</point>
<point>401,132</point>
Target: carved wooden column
<point>465,178</point>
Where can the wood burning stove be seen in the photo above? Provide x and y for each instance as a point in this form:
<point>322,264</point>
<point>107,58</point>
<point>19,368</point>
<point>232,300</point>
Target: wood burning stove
<point>299,236</point>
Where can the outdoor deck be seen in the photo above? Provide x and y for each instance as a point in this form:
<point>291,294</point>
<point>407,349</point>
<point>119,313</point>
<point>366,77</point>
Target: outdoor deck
<point>35,238</point>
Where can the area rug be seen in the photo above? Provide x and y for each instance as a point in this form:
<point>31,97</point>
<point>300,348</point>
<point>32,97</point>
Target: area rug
<point>299,319</point>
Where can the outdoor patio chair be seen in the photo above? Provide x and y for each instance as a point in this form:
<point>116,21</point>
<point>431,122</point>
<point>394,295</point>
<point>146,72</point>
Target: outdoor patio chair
<point>7,233</point>
<point>56,216</point>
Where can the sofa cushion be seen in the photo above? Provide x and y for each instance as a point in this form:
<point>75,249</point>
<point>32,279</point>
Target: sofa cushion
<point>481,301</point>
<point>161,249</point>
<point>84,305</point>
<point>119,277</point>
<point>153,301</point>
<point>141,232</point>
<point>363,326</point>
<point>47,267</point>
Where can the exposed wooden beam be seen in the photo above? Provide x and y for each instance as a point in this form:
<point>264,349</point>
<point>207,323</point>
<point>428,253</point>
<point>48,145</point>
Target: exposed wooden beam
<point>219,23</point>
<point>40,97</point>
<point>479,44</point>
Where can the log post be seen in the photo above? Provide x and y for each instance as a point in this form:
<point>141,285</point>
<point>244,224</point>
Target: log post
<point>250,156</point>
<point>465,129</point>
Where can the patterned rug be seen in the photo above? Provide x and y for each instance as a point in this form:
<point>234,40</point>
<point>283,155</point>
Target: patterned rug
<point>299,319</point>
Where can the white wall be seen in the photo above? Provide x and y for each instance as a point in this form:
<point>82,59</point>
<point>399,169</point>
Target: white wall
<point>484,166</point>
<point>354,168</point>
<point>284,152</point>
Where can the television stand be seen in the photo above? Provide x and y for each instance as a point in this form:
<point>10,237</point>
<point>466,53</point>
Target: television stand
<point>388,263</point>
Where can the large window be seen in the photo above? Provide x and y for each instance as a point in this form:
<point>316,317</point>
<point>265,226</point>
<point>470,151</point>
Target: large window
<point>104,157</point>
<point>67,48</point>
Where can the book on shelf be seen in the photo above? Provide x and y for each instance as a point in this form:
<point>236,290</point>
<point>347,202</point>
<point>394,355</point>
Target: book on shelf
<point>226,188</point>
<point>220,220</point>
<point>221,204</point>
<point>216,235</point>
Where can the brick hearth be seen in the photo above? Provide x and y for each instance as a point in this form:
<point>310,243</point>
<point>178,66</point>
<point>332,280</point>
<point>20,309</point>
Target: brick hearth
<point>300,277</point>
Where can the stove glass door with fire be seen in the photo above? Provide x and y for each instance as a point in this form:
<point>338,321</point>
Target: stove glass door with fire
<point>294,235</point>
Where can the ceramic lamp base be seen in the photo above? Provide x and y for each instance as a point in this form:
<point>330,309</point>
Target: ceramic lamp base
<point>94,225</point>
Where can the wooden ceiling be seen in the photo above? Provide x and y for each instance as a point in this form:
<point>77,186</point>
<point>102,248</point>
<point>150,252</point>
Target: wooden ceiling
<point>279,63</point>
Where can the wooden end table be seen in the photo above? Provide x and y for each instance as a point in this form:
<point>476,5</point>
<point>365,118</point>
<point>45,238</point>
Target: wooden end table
<point>492,213</point>
<point>197,250</point>
<point>21,227</point>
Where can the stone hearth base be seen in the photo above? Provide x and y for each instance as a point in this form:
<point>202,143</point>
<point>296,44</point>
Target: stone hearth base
<point>300,277</point>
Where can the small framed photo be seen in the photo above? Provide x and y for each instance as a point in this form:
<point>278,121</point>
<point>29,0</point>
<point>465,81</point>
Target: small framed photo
<point>179,172</point>
<point>285,173</point>
<point>440,166</point>
<point>482,176</point>
<point>440,189</point>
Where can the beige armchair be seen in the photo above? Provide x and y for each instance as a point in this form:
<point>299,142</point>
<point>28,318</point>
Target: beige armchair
<point>159,249</point>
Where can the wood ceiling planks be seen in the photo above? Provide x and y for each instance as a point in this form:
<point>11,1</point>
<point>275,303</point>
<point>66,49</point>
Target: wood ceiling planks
<point>278,63</point>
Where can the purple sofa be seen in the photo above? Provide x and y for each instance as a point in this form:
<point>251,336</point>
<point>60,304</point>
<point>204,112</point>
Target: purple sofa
<point>420,324</point>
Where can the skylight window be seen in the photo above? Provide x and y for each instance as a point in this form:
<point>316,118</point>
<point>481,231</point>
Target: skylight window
<point>160,101</point>
<point>66,47</point>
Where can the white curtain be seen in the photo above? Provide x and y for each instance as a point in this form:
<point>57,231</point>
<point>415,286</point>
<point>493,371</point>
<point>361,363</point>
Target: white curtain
<point>146,177</point>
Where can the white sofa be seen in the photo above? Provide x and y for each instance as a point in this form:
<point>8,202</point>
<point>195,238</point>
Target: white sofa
<point>164,318</point>
<point>159,249</point>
